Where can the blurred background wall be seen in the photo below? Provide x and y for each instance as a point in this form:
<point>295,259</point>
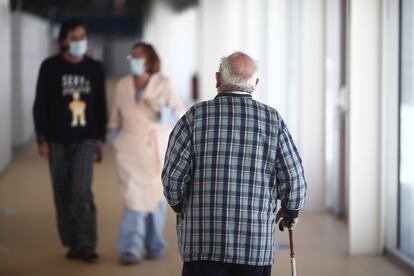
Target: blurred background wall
<point>31,44</point>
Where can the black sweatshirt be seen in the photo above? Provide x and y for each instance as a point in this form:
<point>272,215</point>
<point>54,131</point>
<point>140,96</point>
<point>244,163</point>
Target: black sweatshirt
<point>70,103</point>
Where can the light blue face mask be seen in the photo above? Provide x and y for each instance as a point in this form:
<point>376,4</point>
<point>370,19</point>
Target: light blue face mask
<point>78,48</point>
<point>137,66</point>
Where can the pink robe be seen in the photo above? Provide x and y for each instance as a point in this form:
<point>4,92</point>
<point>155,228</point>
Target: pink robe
<point>141,143</point>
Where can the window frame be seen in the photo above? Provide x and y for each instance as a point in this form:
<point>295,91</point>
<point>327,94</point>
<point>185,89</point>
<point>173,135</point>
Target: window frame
<point>391,130</point>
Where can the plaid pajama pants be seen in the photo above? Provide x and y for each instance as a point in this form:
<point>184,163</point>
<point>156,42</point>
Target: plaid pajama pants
<point>71,168</point>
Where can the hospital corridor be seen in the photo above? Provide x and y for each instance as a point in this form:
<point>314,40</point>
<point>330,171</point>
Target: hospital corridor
<point>91,91</point>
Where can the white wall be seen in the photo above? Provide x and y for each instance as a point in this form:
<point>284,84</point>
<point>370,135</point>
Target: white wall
<point>266,30</point>
<point>237,25</point>
<point>175,37</point>
<point>293,42</point>
<point>31,45</point>
<point>5,85</point>
<point>287,39</point>
<point>277,16</point>
<point>364,126</point>
<point>221,34</point>
<point>255,41</point>
<point>312,101</point>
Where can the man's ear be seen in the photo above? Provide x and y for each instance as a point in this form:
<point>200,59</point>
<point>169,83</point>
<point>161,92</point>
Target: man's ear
<point>218,81</point>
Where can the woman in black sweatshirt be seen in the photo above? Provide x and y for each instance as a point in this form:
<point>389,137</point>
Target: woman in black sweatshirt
<point>70,117</point>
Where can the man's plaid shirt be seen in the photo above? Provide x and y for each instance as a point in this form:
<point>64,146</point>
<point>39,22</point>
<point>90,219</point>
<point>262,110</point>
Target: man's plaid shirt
<point>228,162</point>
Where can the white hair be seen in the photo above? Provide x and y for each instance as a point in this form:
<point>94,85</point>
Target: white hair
<point>231,78</point>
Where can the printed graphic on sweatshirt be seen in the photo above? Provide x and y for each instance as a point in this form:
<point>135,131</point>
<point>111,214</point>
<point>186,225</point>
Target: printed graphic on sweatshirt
<point>77,107</point>
<point>78,83</point>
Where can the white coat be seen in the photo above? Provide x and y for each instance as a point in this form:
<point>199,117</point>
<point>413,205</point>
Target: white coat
<point>141,142</point>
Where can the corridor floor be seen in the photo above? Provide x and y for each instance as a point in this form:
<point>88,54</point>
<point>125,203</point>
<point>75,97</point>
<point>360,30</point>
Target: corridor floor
<point>29,243</point>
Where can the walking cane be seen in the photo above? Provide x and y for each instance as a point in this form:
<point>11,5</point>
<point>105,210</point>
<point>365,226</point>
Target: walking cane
<point>292,252</point>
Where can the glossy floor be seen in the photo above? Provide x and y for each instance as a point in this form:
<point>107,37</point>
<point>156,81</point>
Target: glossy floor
<point>30,245</point>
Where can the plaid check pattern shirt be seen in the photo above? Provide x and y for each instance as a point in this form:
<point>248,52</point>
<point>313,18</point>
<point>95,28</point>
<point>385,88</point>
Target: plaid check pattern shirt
<point>228,161</point>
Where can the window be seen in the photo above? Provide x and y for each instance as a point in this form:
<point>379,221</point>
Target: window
<point>406,152</point>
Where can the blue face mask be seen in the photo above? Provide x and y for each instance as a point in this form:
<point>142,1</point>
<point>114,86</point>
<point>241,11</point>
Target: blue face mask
<point>78,48</point>
<point>137,66</point>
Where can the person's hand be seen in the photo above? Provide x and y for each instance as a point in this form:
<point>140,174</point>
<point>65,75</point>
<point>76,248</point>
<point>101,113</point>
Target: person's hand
<point>98,153</point>
<point>43,149</point>
<point>285,220</point>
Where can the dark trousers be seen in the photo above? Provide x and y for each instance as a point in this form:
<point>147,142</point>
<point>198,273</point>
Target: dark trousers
<point>207,268</point>
<point>71,168</point>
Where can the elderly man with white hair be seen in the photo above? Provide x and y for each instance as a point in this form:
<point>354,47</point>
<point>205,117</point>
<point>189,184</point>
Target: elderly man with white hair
<point>228,162</point>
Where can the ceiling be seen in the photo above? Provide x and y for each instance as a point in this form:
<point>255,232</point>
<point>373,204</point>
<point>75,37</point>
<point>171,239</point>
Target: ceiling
<point>121,17</point>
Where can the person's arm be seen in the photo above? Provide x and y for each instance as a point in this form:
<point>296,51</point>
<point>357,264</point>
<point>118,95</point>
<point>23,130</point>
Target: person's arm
<point>100,105</point>
<point>177,172</point>
<point>40,111</point>
<point>291,183</point>
<point>101,113</point>
<point>175,102</point>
